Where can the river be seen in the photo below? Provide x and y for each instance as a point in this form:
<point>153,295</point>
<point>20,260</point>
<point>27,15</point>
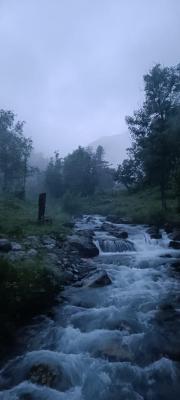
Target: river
<point>120,341</point>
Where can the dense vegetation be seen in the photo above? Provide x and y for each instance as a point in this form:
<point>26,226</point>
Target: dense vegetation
<point>154,157</point>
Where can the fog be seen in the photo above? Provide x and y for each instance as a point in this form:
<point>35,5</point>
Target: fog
<point>73,69</point>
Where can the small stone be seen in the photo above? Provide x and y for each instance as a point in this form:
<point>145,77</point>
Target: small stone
<point>16,246</point>
<point>32,253</point>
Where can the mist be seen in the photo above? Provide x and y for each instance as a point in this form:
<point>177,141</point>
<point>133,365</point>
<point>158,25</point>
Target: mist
<point>73,69</point>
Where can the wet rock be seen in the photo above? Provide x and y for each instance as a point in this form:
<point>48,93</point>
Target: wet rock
<point>114,231</point>
<point>168,228</point>
<point>117,220</point>
<point>5,245</point>
<point>176,265</point>
<point>32,253</point>
<point>42,374</point>
<point>66,277</point>
<point>176,235</point>
<point>166,307</point>
<point>16,255</point>
<point>16,246</point>
<point>99,280</point>
<point>84,244</point>
<point>153,231</point>
<point>32,241</point>
<point>174,245</point>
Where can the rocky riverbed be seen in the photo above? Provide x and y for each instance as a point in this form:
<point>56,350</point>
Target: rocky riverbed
<point>115,335</point>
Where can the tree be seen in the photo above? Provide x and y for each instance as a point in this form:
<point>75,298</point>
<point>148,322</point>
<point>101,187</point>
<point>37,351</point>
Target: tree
<point>125,173</point>
<point>78,172</point>
<point>15,151</point>
<point>54,176</point>
<point>151,126</point>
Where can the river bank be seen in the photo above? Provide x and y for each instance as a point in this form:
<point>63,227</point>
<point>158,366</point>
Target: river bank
<point>34,270</point>
<point>115,334</point>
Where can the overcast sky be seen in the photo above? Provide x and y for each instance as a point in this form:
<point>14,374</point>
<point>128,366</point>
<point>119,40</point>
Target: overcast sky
<point>73,68</point>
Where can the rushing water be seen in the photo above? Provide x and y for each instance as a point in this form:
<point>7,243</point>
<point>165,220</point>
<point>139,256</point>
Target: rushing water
<point>120,341</point>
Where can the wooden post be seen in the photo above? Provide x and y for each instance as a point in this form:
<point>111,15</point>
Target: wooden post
<point>42,207</point>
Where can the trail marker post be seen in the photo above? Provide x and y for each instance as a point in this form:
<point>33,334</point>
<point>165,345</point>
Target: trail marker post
<point>42,207</point>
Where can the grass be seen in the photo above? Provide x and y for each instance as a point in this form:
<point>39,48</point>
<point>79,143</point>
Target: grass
<point>19,218</point>
<point>139,207</point>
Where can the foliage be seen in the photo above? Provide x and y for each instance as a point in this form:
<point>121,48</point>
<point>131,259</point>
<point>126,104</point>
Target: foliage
<point>15,150</point>
<point>155,132</point>
<point>80,173</point>
<point>142,206</point>
<point>26,289</point>
<point>53,177</point>
<point>72,203</point>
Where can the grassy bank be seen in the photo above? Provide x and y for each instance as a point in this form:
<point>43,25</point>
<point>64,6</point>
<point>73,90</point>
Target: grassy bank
<point>139,206</point>
<point>26,289</point>
<point>19,218</point>
<point>28,286</point>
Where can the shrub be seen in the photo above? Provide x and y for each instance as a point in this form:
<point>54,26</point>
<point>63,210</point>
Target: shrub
<point>25,290</point>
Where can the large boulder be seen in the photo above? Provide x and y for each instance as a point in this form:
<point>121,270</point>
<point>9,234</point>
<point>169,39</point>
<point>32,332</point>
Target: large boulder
<point>176,235</point>
<point>154,232</point>
<point>42,374</point>
<point>98,280</point>
<point>84,244</point>
<point>115,219</point>
<point>5,245</point>
<point>114,231</point>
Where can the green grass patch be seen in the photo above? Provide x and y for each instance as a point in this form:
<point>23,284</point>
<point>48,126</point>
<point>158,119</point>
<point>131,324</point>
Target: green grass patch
<point>138,206</point>
<point>19,218</point>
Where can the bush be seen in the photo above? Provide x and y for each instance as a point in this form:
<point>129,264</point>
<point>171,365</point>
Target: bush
<point>25,290</point>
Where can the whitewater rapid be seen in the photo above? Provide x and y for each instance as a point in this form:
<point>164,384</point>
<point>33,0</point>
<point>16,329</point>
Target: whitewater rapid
<point>116,342</point>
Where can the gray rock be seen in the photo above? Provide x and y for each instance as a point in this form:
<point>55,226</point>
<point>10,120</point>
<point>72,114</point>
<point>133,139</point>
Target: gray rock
<point>32,253</point>
<point>114,231</point>
<point>16,246</point>
<point>98,280</point>
<point>176,235</point>
<point>5,245</point>
<point>153,231</point>
<point>48,241</point>
<point>16,255</point>
<point>84,244</point>
<point>49,246</point>
<point>66,277</point>
<point>175,245</point>
<point>117,220</point>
